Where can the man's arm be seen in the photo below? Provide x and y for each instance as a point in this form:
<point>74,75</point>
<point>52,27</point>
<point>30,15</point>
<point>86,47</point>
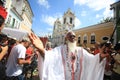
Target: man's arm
<point>103,54</point>
<point>3,53</point>
<point>23,61</point>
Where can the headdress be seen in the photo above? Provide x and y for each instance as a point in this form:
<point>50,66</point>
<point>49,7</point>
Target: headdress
<point>3,12</point>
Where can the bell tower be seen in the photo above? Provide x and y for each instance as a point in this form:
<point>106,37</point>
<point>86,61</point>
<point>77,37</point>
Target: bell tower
<point>68,20</point>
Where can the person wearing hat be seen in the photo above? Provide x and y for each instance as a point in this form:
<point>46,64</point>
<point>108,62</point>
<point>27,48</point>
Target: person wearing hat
<point>16,60</point>
<point>3,14</point>
<point>48,46</point>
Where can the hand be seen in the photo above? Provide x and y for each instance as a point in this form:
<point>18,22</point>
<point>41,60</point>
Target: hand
<point>29,61</point>
<point>37,43</point>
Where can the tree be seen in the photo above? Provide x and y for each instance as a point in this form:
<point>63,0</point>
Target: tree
<point>105,20</point>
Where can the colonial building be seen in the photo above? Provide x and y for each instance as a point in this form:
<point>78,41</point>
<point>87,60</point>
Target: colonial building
<point>96,33</point>
<point>19,18</point>
<point>19,15</point>
<point>27,16</point>
<point>60,28</point>
<point>86,36</point>
<point>14,18</point>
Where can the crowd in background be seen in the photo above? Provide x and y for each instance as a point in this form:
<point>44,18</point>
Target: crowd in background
<point>112,67</point>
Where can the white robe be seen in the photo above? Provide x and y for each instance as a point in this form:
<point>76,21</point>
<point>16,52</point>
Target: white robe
<point>53,66</point>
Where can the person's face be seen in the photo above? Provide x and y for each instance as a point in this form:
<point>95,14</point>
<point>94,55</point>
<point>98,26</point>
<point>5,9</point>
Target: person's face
<point>71,37</point>
<point>27,44</point>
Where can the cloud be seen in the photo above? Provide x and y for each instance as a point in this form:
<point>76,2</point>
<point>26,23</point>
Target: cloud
<point>97,5</point>
<point>50,20</point>
<point>98,16</point>
<point>94,4</point>
<point>77,23</point>
<point>44,3</point>
<point>107,12</point>
<point>83,13</point>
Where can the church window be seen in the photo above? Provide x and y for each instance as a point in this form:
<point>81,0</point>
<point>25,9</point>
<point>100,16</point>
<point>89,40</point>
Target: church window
<point>70,20</point>
<point>64,20</point>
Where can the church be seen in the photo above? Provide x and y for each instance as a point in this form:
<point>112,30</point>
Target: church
<point>86,36</point>
<point>61,27</point>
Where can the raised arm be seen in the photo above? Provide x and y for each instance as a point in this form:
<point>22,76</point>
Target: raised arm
<point>105,50</point>
<point>37,43</point>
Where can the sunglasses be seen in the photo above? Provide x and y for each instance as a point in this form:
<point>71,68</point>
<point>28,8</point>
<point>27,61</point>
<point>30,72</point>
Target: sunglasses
<point>72,36</point>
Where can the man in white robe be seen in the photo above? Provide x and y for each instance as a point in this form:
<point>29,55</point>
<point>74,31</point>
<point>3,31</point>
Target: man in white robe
<point>69,62</point>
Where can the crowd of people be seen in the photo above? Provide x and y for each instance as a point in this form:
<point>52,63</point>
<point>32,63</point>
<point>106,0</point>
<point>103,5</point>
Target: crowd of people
<point>12,53</point>
<point>65,62</point>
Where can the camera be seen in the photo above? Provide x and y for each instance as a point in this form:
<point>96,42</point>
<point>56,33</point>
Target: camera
<point>3,41</point>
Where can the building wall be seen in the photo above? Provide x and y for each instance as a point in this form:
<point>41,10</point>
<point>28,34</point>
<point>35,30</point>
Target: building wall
<point>26,24</point>
<point>19,17</point>
<point>27,15</point>
<point>99,30</point>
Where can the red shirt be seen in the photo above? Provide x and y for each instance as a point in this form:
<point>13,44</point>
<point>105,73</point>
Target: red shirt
<point>96,51</point>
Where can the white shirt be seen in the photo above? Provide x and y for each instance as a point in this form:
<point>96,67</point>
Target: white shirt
<point>14,69</point>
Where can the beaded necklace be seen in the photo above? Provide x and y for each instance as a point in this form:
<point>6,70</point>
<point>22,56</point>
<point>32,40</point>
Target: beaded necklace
<point>67,63</point>
<point>72,61</point>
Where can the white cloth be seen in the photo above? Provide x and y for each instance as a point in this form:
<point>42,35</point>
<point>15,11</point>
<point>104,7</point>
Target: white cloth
<point>14,69</point>
<point>54,68</point>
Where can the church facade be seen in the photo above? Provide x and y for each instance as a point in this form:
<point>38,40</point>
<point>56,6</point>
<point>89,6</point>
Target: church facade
<point>61,27</point>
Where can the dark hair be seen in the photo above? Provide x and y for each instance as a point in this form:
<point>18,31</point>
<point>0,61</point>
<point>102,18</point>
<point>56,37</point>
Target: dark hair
<point>11,41</point>
<point>2,20</point>
<point>105,44</point>
<point>1,3</point>
<point>3,38</point>
<point>117,46</point>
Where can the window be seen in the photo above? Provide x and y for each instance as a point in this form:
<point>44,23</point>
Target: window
<point>16,24</point>
<point>9,19</point>
<point>79,40</point>
<point>92,38</point>
<point>70,20</point>
<point>13,23</point>
<point>64,20</point>
<point>85,39</point>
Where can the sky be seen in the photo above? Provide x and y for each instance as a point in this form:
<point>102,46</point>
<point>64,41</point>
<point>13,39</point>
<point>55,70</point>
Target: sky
<point>87,12</point>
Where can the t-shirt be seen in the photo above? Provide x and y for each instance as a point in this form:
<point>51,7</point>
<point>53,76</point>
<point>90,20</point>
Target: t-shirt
<point>13,68</point>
